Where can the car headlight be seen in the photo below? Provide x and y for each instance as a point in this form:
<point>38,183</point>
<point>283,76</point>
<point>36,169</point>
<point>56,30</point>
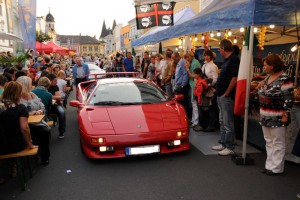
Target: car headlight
<point>97,140</point>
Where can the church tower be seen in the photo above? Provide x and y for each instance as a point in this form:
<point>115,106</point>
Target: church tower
<point>107,37</point>
<point>50,26</point>
<point>104,31</point>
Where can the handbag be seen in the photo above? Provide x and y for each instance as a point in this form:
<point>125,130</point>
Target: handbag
<point>210,92</point>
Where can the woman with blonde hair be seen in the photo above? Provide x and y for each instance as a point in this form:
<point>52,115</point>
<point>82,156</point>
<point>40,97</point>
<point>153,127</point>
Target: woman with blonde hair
<point>160,66</point>
<point>14,120</point>
<point>193,64</point>
<point>34,105</point>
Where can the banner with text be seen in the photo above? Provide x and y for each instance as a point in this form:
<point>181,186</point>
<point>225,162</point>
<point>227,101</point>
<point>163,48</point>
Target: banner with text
<point>284,50</point>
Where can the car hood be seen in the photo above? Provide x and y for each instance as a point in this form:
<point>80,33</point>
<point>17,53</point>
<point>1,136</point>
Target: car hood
<point>134,118</point>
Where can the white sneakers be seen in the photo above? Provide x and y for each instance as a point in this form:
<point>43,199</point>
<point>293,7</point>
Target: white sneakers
<point>222,150</point>
<point>218,147</point>
<point>226,152</point>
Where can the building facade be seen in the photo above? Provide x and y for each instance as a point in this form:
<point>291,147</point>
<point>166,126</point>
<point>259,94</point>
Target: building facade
<point>117,37</point>
<point>134,33</point>
<point>125,39</point>
<point>40,24</point>
<point>106,36</point>
<point>82,45</point>
<point>9,24</point>
<point>4,44</point>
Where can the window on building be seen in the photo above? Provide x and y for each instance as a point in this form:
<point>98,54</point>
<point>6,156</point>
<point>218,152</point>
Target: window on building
<point>84,48</point>
<point>96,48</point>
<point>90,48</point>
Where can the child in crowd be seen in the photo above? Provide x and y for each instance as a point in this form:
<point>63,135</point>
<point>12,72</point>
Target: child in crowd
<point>200,85</point>
<point>151,69</point>
<point>61,83</point>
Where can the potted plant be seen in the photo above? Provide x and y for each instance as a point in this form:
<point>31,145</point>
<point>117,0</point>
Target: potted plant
<point>16,61</point>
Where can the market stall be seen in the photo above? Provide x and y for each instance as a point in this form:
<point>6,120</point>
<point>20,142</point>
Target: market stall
<point>223,15</point>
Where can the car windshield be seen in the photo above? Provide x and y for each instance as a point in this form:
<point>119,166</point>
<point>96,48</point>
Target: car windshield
<point>132,93</point>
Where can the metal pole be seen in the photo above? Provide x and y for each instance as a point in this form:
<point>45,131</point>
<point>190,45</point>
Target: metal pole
<point>247,94</point>
<point>297,67</point>
<point>298,55</point>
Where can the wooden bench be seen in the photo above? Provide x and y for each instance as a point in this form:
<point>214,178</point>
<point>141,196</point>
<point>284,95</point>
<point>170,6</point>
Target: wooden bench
<point>51,123</point>
<point>18,156</point>
<point>52,119</point>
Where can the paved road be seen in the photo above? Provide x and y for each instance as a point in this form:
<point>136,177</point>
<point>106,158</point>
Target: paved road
<point>190,175</point>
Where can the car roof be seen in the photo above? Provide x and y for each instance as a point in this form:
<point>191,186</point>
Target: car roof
<point>92,65</point>
<point>88,63</point>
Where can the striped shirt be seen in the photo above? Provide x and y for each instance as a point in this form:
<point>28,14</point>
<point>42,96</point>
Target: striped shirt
<point>275,99</point>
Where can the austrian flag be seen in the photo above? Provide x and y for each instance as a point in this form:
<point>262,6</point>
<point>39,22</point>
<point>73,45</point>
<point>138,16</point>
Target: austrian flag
<point>156,14</point>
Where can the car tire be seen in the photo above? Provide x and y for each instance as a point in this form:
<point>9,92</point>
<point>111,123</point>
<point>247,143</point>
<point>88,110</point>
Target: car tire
<point>81,148</point>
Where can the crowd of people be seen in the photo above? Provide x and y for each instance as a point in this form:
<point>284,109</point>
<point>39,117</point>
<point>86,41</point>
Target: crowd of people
<point>208,91</point>
<point>38,87</point>
<point>209,94</point>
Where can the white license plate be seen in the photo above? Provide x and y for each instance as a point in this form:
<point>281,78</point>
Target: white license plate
<point>142,150</point>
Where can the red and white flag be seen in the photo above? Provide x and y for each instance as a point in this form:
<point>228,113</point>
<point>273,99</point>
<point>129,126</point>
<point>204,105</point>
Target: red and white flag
<point>155,14</point>
<point>244,69</point>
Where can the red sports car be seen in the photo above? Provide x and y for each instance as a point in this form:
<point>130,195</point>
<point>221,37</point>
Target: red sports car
<point>121,117</point>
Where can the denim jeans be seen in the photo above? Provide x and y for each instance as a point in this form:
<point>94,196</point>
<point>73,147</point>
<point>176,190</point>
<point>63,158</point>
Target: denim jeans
<point>60,112</point>
<point>169,90</point>
<point>195,111</point>
<point>226,105</point>
<point>119,69</point>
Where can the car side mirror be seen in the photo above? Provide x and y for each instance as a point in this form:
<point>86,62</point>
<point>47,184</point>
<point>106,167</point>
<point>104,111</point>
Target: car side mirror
<point>75,103</point>
<point>179,97</point>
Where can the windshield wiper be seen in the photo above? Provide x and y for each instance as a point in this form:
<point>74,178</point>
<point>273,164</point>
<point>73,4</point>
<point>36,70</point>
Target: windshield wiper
<point>139,103</point>
<point>149,102</point>
<point>108,103</point>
